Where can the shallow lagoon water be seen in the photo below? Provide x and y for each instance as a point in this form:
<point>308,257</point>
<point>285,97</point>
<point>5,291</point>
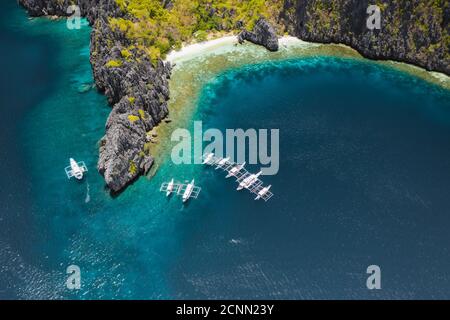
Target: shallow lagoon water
<point>364,177</point>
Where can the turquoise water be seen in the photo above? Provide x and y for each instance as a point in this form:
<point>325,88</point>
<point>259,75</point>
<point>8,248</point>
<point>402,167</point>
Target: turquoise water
<point>364,179</point>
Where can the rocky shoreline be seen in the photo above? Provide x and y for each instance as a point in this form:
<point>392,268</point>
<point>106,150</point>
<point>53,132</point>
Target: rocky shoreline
<point>412,31</point>
<point>138,90</point>
<point>262,34</point>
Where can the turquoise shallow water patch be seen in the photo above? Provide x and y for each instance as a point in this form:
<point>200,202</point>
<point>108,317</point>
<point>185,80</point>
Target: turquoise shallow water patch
<point>364,174</point>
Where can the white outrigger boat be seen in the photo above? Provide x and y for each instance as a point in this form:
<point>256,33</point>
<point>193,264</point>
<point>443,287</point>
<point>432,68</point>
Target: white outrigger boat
<point>76,169</point>
<point>187,191</point>
<point>263,192</point>
<point>222,162</point>
<point>169,188</point>
<point>235,170</point>
<point>249,181</point>
<point>245,179</point>
<point>208,158</point>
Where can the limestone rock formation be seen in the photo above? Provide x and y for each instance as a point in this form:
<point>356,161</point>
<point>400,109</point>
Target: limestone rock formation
<point>136,89</point>
<point>412,31</point>
<point>263,34</point>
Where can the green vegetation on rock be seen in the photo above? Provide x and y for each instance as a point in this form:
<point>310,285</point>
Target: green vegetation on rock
<point>132,168</point>
<point>142,114</point>
<point>114,63</point>
<point>155,27</point>
<point>133,118</point>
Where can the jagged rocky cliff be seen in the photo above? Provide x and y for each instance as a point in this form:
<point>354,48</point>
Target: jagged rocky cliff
<point>263,34</point>
<point>413,31</point>
<point>136,89</point>
<point>138,92</point>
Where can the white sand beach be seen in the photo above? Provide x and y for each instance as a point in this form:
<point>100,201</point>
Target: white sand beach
<point>231,53</point>
<point>194,50</point>
<point>228,43</point>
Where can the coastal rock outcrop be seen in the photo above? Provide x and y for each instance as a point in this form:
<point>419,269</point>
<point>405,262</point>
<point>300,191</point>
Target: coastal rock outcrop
<point>136,87</point>
<point>138,90</point>
<point>263,34</point>
<point>37,8</point>
<point>412,31</point>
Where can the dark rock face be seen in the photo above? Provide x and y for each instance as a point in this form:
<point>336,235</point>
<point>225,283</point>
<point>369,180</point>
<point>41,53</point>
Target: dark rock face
<point>137,90</point>
<point>263,34</point>
<point>413,31</point>
<point>38,8</point>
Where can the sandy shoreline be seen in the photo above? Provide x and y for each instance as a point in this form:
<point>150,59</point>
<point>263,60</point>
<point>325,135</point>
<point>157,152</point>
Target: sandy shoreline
<point>194,50</point>
<point>229,43</point>
<point>219,45</point>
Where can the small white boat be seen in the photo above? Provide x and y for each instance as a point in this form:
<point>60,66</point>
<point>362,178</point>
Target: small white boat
<point>245,179</point>
<point>76,169</point>
<point>188,191</point>
<point>235,170</point>
<point>222,163</point>
<point>208,158</point>
<point>185,190</point>
<point>170,188</point>
<point>263,192</point>
<point>249,181</point>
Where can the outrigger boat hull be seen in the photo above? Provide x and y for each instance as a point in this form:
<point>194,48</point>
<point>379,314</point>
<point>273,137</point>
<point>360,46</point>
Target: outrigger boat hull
<point>186,191</point>
<point>76,169</point>
<point>169,188</point>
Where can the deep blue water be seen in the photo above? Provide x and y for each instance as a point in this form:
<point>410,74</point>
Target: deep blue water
<point>364,179</point>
